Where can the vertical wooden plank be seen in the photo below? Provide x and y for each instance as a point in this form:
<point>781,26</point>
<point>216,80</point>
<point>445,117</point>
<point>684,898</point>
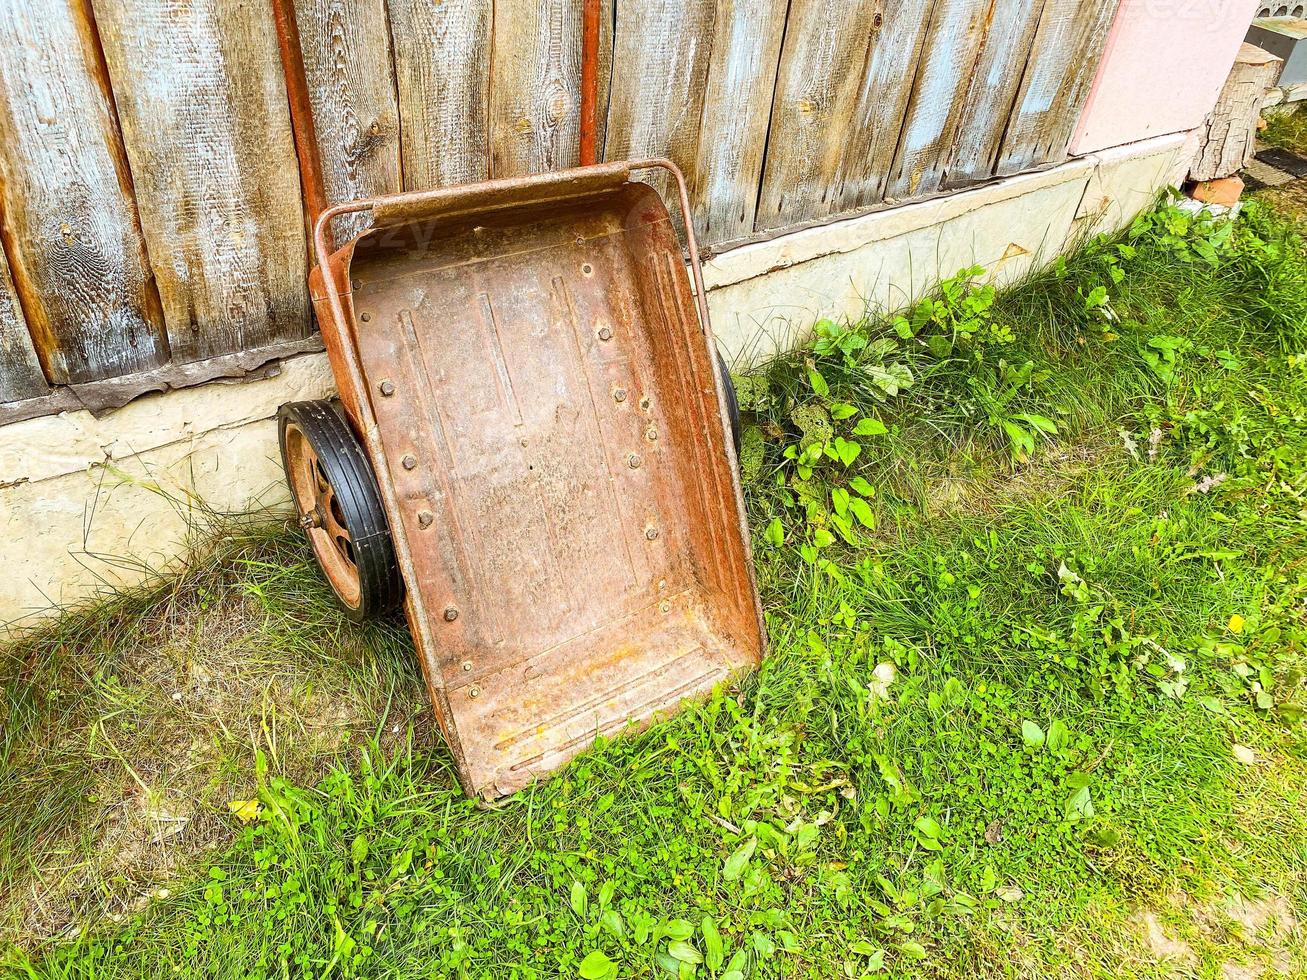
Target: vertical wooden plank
<point>535,75</point>
<point>351,80</point>
<point>1064,58</point>
<point>991,98</point>
<point>822,64</point>
<point>442,74</point>
<point>205,121</point>
<point>660,67</point>
<point>68,217</point>
<point>20,371</point>
<point>892,67</point>
<point>535,79</point>
<point>953,43</point>
<point>737,104</point>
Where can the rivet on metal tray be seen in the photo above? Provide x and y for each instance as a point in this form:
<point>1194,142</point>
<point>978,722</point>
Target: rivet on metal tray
<point>467,665</point>
<point>662,584</point>
<point>634,461</point>
<point>357,284</point>
<point>605,333</point>
<point>474,691</point>
<point>665,606</point>
<point>365,317</point>
<point>451,614</point>
<point>425,517</point>
<point>587,269</point>
<point>645,403</point>
<point>387,388</point>
<point>651,533</point>
<point>619,394</point>
<point>409,461</point>
<point>651,434</point>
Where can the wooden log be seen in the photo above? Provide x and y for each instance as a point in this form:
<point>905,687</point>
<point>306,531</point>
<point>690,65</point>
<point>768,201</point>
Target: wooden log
<point>20,370</point>
<point>822,66</point>
<point>442,76</point>
<point>1064,59</point>
<point>203,106</point>
<point>1229,135</point>
<point>883,95</point>
<point>953,44</point>
<point>351,81</point>
<point>659,73</point>
<point>69,224</point>
<point>991,97</point>
<point>737,105</point>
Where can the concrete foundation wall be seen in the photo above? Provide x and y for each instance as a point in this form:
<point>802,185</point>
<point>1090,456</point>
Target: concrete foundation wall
<point>90,503</point>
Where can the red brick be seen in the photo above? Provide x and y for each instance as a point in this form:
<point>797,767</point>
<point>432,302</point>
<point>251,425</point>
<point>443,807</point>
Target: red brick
<point>1226,191</point>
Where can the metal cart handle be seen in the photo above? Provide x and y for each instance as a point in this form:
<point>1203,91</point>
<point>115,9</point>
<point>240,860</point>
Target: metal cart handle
<point>542,188</point>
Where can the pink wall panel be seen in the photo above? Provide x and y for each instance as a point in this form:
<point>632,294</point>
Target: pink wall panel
<point>1165,63</point>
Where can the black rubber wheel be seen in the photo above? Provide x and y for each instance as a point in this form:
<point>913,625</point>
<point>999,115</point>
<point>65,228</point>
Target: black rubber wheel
<point>732,401</point>
<point>339,506</point>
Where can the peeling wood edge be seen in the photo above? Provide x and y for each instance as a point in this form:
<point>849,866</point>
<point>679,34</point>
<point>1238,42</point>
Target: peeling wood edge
<point>102,397</point>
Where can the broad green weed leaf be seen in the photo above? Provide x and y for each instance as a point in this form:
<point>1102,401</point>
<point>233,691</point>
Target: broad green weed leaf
<point>870,427</point>
<point>862,511</point>
<point>818,383</point>
<point>685,953</point>
<point>714,950</point>
<point>677,929</point>
<point>859,485</point>
<point>1058,736</point>
<point>597,966</point>
<point>580,901</point>
<point>842,410</point>
<point>1032,734</point>
<point>739,860</point>
<point>612,922</point>
<point>1080,806</point>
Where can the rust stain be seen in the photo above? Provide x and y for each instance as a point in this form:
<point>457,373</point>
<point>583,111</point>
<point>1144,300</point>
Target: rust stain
<point>598,557</point>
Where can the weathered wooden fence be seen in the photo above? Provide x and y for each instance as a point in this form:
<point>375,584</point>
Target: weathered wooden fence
<point>150,201</point>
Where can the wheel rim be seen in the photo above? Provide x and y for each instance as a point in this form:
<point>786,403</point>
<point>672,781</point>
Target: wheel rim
<point>321,517</point>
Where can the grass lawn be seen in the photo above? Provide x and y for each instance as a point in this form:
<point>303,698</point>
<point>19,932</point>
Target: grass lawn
<point>1286,128</point>
<point>1036,578</point>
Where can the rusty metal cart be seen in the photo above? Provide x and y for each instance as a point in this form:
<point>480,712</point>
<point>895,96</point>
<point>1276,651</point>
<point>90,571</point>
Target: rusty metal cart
<point>532,451</point>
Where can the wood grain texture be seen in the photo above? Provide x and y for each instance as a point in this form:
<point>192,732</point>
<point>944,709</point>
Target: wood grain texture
<point>953,43</point>
<point>535,85</point>
<point>1064,58</point>
<point>69,221</point>
<point>737,104</point>
<point>205,121</point>
<point>822,64</point>
<point>442,74</point>
<point>351,80</point>
<point>660,68</point>
<point>892,64</point>
<point>20,371</point>
<point>990,100</point>
<point>1228,137</point>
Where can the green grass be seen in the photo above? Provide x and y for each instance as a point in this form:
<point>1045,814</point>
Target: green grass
<point>1287,129</point>
<point>1036,581</point>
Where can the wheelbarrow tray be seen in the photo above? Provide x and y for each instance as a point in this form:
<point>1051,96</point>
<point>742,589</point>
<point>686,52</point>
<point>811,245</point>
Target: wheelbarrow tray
<point>542,407</point>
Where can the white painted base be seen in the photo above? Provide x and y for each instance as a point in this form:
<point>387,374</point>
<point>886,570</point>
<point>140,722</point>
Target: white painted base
<point>87,504</point>
<point>764,297</point>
